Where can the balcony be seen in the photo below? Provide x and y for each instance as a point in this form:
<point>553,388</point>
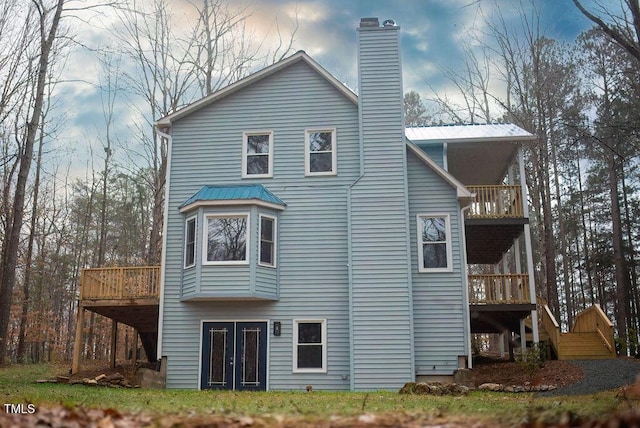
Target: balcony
<point>496,202</point>
<point>120,284</point>
<point>499,289</point>
<point>498,302</point>
<point>493,222</point>
<point>127,295</point>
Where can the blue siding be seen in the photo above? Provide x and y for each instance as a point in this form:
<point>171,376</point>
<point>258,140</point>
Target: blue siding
<point>312,276</point>
<point>438,308</point>
<point>435,151</point>
<point>380,294</point>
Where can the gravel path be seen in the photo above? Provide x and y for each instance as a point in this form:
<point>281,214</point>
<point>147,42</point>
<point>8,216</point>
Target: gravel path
<point>599,375</point>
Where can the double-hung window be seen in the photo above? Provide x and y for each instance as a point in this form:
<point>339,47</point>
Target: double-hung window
<point>190,242</point>
<point>320,152</point>
<point>309,346</point>
<point>257,154</point>
<point>434,243</point>
<point>267,255</point>
<point>226,239</point>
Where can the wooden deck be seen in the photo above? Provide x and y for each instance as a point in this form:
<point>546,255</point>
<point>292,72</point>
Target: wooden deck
<point>127,295</point>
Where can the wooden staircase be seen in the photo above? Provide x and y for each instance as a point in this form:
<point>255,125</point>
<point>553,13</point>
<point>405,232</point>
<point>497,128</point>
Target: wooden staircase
<point>591,337</point>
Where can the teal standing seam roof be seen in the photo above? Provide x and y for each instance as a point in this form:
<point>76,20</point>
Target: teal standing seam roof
<point>234,193</point>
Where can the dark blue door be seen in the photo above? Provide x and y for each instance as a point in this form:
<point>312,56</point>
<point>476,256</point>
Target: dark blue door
<point>234,355</point>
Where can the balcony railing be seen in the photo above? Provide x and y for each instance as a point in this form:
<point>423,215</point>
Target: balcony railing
<point>499,289</point>
<point>120,283</point>
<point>496,202</point>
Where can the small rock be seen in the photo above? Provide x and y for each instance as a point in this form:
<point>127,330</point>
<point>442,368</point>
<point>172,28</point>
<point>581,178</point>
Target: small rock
<point>495,387</point>
<point>100,377</point>
<point>367,419</point>
<point>90,382</point>
<point>114,377</point>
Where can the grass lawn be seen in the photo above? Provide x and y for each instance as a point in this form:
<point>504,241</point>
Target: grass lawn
<point>17,385</point>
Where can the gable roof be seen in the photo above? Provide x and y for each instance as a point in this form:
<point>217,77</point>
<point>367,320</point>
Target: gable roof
<point>243,194</point>
<point>464,195</point>
<point>255,77</point>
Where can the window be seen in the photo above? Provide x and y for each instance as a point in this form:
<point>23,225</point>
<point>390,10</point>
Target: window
<point>226,239</point>
<point>267,255</point>
<point>320,152</point>
<point>257,154</point>
<point>434,243</point>
<point>310,346</point>
<point>190,242</point>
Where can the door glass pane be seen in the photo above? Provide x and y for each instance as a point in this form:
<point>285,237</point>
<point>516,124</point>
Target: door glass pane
<point>250,358</point>
<point>218,353</point>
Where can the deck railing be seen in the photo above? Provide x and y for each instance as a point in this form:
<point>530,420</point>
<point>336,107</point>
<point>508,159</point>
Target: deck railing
<point>496,202</point>
<point>494,288</point>
<point>120,283</point>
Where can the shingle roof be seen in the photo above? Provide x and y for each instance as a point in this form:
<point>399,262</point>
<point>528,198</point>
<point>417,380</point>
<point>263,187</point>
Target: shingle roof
<point>238,193</point>
<point>452,133</point>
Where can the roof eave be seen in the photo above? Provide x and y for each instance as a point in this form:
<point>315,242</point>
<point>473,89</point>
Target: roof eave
<point>230,203</point>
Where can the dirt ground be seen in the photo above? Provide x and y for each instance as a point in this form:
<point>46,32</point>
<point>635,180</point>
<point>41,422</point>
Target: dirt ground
<point>553,372</point>
<point>486,370</point>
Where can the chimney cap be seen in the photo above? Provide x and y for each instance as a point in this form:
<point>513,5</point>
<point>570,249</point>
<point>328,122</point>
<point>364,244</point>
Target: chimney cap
<point>369,22</point>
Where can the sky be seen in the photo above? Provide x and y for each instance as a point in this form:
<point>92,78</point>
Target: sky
<point>433,33</point>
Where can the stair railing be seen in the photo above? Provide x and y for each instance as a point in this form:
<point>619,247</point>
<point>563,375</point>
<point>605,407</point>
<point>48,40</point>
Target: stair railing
<point>593,319</point>
<point>551,326</point>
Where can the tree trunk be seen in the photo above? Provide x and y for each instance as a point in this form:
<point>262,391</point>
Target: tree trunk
<point>21,352</point>
<point>8,277</point>
<point>622,275</point>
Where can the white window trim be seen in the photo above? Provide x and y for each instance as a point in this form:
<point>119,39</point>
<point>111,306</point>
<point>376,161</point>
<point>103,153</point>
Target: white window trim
<point>447,222</point>
<point>275,240</point>
<point>245,136</point>
<point>323,324</point>
<point>334,152</point>
<point>205,239</point>
<point>195,240</point>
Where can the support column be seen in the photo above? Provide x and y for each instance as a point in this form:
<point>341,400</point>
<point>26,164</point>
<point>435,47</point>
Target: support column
<point>135,346</point>
<point>528,247</point>
<point>114,342</point>
<point>77,351</point>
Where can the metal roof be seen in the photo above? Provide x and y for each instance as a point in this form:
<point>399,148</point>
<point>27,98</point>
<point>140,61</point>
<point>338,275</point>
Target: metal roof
<point>238,193</point>
<point>475,132</point>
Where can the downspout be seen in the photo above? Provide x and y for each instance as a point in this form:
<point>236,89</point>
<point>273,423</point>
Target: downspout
<point>163,261</point>
<point>349,248</point>
<point>465,281</point>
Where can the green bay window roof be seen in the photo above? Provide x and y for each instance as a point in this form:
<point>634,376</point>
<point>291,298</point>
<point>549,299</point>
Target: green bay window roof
<point>251,194</point>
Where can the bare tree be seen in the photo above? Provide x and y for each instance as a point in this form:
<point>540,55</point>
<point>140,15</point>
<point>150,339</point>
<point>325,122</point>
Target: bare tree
<point>414,110</point>
<point>48,21</point>
<point>624,29</point>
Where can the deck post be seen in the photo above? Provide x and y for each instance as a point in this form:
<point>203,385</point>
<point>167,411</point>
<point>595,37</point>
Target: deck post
<point>77,351</point>
<point>135,347</point>
<point>114,342</point>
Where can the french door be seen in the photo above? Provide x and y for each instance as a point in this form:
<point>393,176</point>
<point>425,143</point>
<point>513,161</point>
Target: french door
<point>234,355</point>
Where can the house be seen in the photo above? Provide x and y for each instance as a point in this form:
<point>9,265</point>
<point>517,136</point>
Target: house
<point>310,239</point>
